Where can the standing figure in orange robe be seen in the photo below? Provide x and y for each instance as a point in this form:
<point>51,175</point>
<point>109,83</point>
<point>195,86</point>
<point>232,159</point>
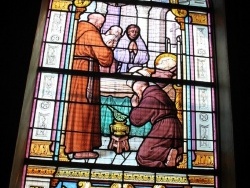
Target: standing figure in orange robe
<point>83,129</point>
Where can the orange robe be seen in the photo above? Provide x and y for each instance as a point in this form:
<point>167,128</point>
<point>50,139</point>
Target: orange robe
<point>83,129</point>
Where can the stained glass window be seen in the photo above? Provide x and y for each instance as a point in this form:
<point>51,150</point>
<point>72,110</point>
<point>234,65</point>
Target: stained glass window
<point>125,95</point>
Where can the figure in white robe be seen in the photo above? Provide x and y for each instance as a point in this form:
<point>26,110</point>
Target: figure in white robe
<point>131,50</point>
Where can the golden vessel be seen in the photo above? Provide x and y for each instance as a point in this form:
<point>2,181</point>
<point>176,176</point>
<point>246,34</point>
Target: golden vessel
<point>119,128</point>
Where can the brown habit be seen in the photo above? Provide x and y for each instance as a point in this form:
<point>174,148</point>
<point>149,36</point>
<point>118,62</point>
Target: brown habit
<point>83,120</point>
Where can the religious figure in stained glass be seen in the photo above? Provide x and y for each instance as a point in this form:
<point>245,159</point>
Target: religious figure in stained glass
<point>83,131</point>
<point>163,146</point>
<point>131,49</point>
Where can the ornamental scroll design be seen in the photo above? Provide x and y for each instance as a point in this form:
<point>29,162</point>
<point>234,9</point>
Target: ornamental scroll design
<point>199,18</point>
<point>41,149</point>
<point>61,4</point>
<point>83,176</point>
<point>183,163</point>
<point>139,177</point>
<point>40,171</point>
<point>171,179</point>
<point>118,176</point>
<point>205,180</point>
<point>72,173</point>
<point>204,159</point>
<point>106,175</point>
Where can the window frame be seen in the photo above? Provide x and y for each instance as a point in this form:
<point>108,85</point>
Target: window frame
<point>227,172</point>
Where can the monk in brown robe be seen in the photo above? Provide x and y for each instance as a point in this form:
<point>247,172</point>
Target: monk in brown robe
<point>83,129</point>
<point>163,147</point>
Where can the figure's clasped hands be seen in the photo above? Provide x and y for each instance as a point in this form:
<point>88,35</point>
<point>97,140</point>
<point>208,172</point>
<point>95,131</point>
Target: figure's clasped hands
<point>133,47</point>
<point>134,100</point>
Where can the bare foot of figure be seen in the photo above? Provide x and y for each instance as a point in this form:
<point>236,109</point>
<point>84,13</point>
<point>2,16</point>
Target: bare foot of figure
<point>86,155</point>
<point>171,160</point>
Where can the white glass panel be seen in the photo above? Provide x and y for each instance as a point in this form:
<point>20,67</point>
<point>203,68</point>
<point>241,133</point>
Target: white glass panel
<point>43,120</point>
<point>201,45</point>
<point>56,27</point>
<point>37,182</point>
<point>48,86</point>
<point>203,99</point>
<point>52,55</point>
<point>204,131</point>
<point>202,69</point>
